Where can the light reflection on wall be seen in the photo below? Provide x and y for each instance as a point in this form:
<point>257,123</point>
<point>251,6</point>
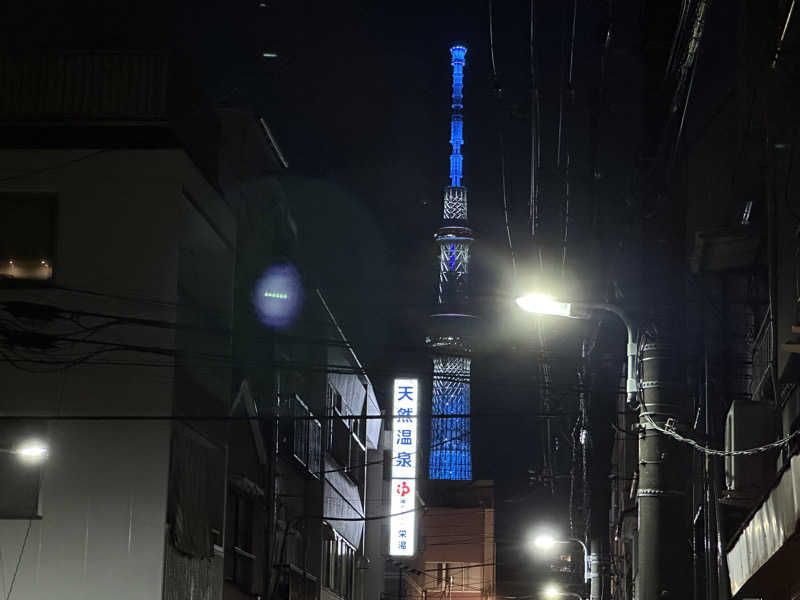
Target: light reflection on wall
<point>278,295</point>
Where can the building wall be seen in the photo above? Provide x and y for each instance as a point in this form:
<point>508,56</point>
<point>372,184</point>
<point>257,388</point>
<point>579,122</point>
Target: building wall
<point>462,538</point>
<point>122,221</point>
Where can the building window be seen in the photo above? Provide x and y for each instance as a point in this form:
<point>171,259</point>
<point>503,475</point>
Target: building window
<point>333,408</point>
<point>339,566</point>
<point>357,465</point>
<point>339,448</point>
<point>337,429</point>
<point>333,400</point>
<point>345,438</point>
<point>27,235</point>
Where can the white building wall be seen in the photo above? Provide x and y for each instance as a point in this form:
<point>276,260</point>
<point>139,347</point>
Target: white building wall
<point>103,500</point>
<point>104,487</point>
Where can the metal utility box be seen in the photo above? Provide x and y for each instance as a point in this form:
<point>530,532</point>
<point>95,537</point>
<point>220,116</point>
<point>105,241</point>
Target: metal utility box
<point>748,425</point>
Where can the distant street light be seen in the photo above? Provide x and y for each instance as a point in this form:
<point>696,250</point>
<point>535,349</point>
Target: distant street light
<point>545,305</point>
<point>30,451</point>
<point>553,591</point>
<point>545,541</point>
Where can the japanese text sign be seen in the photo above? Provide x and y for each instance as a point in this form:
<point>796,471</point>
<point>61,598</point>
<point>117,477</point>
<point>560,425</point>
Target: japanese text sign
<point>404,468</point>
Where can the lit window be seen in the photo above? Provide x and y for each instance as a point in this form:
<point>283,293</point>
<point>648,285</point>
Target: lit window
<point>27,231</point>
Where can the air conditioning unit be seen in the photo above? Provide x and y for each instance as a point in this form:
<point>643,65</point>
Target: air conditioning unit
<point>748,425</point>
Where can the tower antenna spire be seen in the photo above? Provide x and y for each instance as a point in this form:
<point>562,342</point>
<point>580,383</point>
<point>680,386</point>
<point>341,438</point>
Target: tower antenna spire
<point>458,54</point>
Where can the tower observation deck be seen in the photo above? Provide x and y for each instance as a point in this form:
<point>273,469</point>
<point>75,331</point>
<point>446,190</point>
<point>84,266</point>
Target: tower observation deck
<point>450,451</point>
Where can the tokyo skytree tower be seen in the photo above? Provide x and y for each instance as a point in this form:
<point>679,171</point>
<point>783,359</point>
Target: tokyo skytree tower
<point>450,451</point>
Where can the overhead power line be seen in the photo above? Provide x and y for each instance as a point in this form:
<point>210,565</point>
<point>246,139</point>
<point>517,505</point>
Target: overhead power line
<point>233,418</point>
<point>31,311</point>
<point>669,431</point>
<point>19,559</point>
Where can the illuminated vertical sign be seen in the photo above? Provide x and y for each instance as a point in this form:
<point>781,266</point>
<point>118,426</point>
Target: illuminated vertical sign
<point>402,524</point>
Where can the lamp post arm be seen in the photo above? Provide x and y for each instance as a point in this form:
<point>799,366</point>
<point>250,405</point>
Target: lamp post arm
<point>583,546</point>
<point>632,386</point>
<point>586,567</point>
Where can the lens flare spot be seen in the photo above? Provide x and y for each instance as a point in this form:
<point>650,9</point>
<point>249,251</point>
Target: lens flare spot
<point>278,295</point>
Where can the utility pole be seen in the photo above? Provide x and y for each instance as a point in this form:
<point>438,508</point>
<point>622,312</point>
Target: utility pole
<point>664,463</point>
<point>663,558</point>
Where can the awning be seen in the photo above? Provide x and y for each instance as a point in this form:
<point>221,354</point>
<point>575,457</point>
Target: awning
<point>769,528</point>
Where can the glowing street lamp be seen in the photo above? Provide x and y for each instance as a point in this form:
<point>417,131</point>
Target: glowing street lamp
<point>553,591</point>
<point>30,451</point>
<point>541,304</point>
<point>545,305</point>
<point>544,541</point>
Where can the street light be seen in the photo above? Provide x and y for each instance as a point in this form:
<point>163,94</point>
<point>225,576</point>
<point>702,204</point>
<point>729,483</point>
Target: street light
<point>545,305</point>
<point>553,591</point>
<point>30,451</point>
<point>545,541</point>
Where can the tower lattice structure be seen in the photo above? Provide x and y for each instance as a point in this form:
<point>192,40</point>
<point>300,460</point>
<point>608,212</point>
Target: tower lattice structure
<point>450,451</point>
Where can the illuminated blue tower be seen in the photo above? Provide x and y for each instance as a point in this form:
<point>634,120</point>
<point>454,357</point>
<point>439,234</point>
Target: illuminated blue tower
<point>450,452</point>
